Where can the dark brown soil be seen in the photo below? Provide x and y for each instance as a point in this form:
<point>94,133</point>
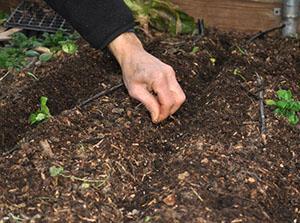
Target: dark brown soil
<point>207,163</point>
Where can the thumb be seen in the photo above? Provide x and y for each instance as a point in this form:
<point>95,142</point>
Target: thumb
<point>149,101</point>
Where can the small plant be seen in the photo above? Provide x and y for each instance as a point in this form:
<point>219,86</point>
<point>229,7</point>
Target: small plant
<point>56,171</point>
<point>42,113</point>
<point>195,50</point>
<point>237,72</point>
<point>286,106</point>
<point>213,61</point>
<point>17,53</point>
<point>161,15</point>
<point>85,183</point>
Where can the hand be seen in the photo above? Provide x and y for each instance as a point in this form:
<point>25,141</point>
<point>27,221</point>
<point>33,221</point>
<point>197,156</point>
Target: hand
<point>147,79</point>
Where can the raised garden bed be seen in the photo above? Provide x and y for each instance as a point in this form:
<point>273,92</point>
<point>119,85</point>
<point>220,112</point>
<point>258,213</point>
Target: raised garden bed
<point>207,163</point>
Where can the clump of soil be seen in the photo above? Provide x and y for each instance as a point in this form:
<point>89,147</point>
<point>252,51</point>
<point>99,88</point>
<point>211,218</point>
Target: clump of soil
<point>207,163</point>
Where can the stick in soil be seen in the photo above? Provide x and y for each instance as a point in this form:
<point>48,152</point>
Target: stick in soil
<point>102,93</point>
<point>261,34</point>
<point>262,117</point>
<point>5,75</point>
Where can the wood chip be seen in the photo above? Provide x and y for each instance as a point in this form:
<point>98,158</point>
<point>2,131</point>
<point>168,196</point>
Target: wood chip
<point>170,200</point>
<point>183,175</point>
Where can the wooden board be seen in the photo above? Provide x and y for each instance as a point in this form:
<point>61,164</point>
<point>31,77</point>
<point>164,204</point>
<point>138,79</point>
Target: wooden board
<point>237,15</point>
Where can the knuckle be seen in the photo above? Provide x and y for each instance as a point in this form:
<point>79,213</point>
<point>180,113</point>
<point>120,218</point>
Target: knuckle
<point>181,98</point>
<point>169,70</point>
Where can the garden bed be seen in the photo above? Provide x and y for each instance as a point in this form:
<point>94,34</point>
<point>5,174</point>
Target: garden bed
<point>207,163</point>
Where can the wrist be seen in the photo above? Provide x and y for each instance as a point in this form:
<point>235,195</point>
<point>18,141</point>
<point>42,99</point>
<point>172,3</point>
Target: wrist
<point>124,46</point>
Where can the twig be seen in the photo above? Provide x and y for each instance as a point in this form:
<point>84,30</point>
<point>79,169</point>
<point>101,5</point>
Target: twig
<point>197,195</point>
<point>262,117</point>
<point>96,96</point>
<point>260,34</point>
<point>7,73</point>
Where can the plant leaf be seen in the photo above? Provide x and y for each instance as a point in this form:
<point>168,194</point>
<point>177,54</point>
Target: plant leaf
<point>293,119</point>
<point>69,47</point>
<point>284,95</point>
<point>31,53</point>
<point>45,57</point>
<point>270,102</point>
<point>55,171</point>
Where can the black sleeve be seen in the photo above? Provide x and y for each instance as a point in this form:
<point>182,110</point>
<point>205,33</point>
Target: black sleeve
<point>97,21</point>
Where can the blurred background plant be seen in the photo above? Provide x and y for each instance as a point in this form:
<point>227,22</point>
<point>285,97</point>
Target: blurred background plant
<point>161,15</point>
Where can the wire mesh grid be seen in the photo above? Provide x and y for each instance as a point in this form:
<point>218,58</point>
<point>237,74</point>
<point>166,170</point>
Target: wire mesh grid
<point>34,17</point>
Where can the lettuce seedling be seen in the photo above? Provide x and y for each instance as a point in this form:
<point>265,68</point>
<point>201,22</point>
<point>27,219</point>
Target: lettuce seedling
<point>42,113</point>
<point>286,106</point>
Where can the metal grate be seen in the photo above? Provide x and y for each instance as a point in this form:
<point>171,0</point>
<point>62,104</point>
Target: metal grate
<point>33,16</point>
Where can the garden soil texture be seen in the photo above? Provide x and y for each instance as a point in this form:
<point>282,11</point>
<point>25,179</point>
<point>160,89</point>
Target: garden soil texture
<point>209,162</point>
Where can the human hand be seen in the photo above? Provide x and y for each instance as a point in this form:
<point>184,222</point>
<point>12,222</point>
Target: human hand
<point>147,79</point>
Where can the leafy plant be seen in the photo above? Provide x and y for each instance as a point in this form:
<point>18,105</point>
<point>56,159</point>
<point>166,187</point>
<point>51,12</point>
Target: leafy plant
<point>17,52</point>
<point>45,57</point>
<point>60,41</point>
<point>286,106</point>
<point>161,15</point>
<point>69,47</point>
<point>12,58</point>
<point>42,113</point>
<point>86,183</point>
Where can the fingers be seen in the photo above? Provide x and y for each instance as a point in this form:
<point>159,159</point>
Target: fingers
<point>169,94</point>
<point>141,94</point>
<point>178,94</point>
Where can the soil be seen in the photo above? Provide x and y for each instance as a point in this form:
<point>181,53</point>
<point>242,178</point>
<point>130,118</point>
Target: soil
<point>207,163</point>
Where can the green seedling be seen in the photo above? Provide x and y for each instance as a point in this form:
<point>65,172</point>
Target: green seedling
<point>242,51</point>
<point>195,50</point>
<point>15,54</point>
<point>237,72</point>
<point>86,183</point>
<point>45,57</point>
<point>30,74</point>
<point>213,61</point>
<point>41,114</point>
<point>56,171</point>
<point>69,47</point>
<point>161,15</point>
<point>286,106</point>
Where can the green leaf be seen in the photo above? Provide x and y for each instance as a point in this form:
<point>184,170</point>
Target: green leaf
<point>32,119</point>
<point>43,103</point>
<point>286,106</point>
<point>31,53</point>
<point>293,119</point>
<point>195,50</point>
<point>45,57</point>
<point>42,113</point>
<point>284,95</point>
<point>69,47</point>
<point>40,117</point>
<point>270,102</point>
<point>56,171</point>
